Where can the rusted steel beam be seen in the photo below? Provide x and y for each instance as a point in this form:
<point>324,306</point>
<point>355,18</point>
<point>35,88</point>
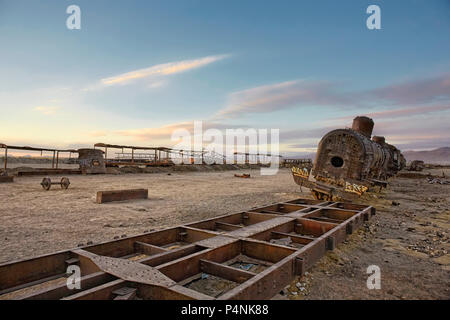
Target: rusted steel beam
<point>250,217</point>
<point>227,226</point>
<point>60,291</point>
<point>165,257</point>
<point>265,251</point>
<point>28,271</point>
<point>195,235</point>
<point>176,292</point>
<point>224,271</point>
<point>121,195</point>
<point>125,293</point>
<point>314,228</point>
<point>266,284</point>
<point>183,268</point>
<point>324,219</point>
<point>101,292</point>
<point>147,248</point>
<point>295,238</point>
<point>30,284</point>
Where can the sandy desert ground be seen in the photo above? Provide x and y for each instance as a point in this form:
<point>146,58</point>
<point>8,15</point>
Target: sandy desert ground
<point>408,241</point>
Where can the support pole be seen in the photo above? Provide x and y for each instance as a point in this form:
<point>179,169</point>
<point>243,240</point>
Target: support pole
<point>6,158</point>
<point>57,159</point>
<point>53,160</point>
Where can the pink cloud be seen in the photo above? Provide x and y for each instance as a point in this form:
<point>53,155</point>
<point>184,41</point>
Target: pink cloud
<point>417,91</point>
<point>283,95</point>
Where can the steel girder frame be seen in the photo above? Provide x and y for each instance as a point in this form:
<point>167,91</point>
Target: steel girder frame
<point>161,264</point>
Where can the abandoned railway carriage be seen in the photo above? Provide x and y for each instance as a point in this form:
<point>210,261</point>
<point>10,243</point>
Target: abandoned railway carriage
<point>349,155</point>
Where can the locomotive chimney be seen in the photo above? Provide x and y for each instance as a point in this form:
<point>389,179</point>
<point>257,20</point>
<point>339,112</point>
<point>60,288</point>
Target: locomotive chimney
<point>379,139</point>
<point>363,125</point>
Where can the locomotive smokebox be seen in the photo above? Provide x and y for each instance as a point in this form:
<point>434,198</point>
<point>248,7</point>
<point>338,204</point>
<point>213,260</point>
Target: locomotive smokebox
<point>363,125</point>
<point>379,140</point>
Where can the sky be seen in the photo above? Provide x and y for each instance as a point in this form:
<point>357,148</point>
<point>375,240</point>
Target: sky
<point>137,70</point>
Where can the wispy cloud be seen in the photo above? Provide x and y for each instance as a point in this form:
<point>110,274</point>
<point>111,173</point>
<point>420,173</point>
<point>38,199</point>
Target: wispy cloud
<point>400,113</point>
<point>166,131</point>
<point>47,110</point>
<point>397,113</point>
<point>281,96</point>
<point>98,133</point>
<point>160,70</point>
<point>305,93</point>
<point>425,132</point>
<point>155,132</point>
<point>417,91</point>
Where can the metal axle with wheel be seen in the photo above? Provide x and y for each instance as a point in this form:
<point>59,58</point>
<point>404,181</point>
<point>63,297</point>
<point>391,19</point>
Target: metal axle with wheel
<point>47,183</point>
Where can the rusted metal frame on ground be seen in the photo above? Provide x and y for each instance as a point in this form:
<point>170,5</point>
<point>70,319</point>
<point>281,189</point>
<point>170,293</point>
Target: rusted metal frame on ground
<point>198,249</point>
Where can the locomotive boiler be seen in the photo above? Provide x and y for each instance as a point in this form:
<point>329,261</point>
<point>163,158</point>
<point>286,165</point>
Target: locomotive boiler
<point>349,162</point>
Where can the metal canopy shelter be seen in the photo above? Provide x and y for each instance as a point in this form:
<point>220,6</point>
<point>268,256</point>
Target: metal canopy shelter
<point>157,159</point>
<point>256,155</point>
<point>56,152</point>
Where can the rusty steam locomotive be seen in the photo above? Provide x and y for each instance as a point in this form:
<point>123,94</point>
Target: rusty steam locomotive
<point>348,162</point>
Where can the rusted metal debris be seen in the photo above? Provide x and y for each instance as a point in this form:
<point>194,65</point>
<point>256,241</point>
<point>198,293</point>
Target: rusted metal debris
<point>6,179</point>
<point>47,183</point>
<point>256,252</point>
<point>416,165</point>
<point>432,180</point>
<point>349,162</point>
<point>244,175</point>
<point>121,195</point>
<point>302,163</point>
<point>47,172</point>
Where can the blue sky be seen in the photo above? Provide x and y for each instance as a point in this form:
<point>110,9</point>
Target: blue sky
<point>138,69</point>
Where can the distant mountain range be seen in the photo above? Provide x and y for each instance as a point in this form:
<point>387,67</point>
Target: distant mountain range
<point>438,156</point>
